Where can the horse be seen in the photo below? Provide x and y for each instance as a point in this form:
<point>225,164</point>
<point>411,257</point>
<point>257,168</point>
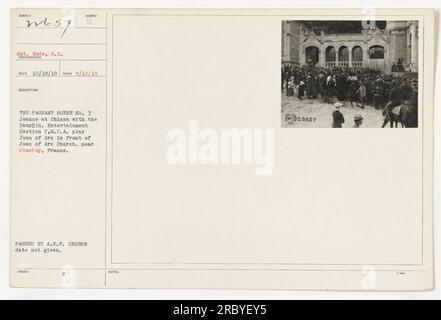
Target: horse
<point>407,116</point>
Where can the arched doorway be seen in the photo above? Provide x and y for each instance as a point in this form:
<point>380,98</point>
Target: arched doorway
<point>357,57</point>
<point>312,55</point>
<point>376,57</point>
<point>330,57</point>
<point>343,56</point>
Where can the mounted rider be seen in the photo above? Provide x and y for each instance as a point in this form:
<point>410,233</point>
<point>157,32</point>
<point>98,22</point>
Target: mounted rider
<point>395,99</point>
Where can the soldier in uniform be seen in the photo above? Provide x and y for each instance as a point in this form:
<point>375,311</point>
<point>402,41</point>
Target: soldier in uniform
<point>337,116</point>
<point>358,120</point>
<point>361,93</point>
<point>353,92</point>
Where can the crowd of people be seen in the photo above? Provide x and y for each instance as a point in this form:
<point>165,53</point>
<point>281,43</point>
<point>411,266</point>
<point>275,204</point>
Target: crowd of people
<point>360,86</point>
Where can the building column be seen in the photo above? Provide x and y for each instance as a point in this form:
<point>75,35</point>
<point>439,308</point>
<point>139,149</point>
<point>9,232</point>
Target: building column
<point>350,56</point>
<point>414,50</point>
<point>322,57</point>
<point>388,59</point>
<point>365,57</point>
<point>337,56</point>
<point>283,41</point>
<point>286,43</point>
<point>288,48</point>
<point>302,56</point>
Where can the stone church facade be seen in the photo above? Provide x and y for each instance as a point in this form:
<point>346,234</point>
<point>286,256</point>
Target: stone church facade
<point>371,48</point>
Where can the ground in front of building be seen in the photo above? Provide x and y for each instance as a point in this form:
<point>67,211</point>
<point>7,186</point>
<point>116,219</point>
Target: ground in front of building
<point>314,113</point>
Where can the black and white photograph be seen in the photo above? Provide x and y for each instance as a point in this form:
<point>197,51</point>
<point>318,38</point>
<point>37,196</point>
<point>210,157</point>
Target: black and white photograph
<point>151,152</point>
<point>349,74</point>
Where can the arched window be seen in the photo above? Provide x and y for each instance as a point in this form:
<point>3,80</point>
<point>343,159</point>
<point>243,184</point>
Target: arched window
<point>330,54</point>
<point>376,52</point>
<point>357,53</point>
<point>312,55</point>
<point>343,54</point>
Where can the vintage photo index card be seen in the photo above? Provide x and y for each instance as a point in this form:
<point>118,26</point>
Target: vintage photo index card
<point>196,149</point>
